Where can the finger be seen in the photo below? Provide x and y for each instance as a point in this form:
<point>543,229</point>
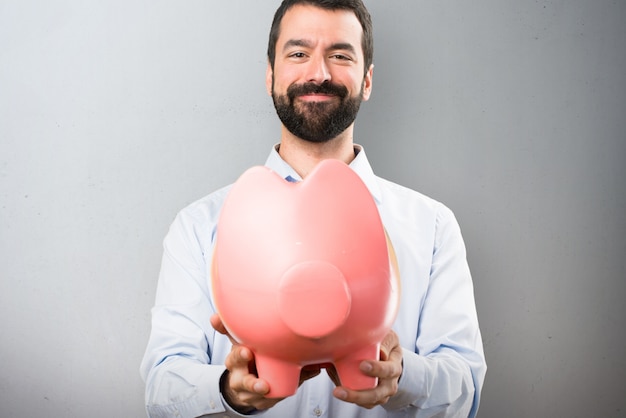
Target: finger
<point>369,398</point>
<point>396,357</point>
<point>365,398</point>
<point>245,391</point>
<point>388,372</point>
<point>254,385</point>
<point>389,369</point>
<point>388,344</point>
<point>218,325</point>
<point>247,386</point>
<point>254,391</point>
<point>239,358</point>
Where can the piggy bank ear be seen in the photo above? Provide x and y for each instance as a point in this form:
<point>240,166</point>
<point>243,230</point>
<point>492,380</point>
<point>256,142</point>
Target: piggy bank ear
<point>257,195</point>
<point>268,224</point>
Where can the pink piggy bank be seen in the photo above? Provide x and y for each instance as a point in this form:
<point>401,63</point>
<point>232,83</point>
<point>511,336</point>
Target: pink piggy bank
<point>303,273</point>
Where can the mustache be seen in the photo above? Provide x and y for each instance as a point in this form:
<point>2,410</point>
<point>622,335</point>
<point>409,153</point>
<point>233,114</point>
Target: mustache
<point>326,87</point>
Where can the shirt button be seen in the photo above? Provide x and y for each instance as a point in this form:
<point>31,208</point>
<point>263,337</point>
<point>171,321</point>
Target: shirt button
<point>317,412</point>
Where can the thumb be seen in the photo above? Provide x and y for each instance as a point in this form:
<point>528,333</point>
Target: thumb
<point>390,342</point>
<point>218,325</point>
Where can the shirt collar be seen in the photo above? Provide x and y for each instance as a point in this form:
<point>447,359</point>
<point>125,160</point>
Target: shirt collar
<point>360,165</point>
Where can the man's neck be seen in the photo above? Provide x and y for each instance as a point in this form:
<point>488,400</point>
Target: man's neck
<point>303,155</point>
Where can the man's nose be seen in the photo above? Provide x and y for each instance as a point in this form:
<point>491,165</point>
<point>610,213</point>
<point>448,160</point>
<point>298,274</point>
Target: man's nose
<point>317,70</point>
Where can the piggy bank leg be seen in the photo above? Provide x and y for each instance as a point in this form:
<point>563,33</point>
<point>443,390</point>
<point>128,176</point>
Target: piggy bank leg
<point>349,372</point>
<point>282,377</point>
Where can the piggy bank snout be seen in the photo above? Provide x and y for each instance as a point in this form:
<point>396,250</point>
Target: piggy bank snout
<point>313,298</point>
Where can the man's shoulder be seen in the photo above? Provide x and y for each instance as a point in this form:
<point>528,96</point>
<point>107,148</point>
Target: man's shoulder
<point>397,193</point>
<point>206,209</point>
<point>413,204</point>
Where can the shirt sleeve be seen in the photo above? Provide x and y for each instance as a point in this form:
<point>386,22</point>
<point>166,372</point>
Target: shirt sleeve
<point>443,376</point>
<point>180,379</point>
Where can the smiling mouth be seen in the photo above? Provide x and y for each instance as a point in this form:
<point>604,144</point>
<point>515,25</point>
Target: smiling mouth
<point>316,97</point>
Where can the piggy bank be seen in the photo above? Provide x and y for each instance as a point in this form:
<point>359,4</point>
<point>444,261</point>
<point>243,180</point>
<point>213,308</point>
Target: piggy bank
<point>303,273</point>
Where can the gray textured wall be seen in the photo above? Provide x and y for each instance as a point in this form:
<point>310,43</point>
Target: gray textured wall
<point>116,114</point>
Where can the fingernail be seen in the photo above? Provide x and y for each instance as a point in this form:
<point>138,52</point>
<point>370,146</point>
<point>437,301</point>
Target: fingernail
<point>366,367</point>
<point>341,394</point>
<point>259,387</point>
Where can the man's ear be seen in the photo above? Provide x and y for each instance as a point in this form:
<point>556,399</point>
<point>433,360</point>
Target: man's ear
<point>269,73</point>
<point>367,83</point>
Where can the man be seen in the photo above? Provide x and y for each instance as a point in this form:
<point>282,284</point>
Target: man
<point>432,363</point>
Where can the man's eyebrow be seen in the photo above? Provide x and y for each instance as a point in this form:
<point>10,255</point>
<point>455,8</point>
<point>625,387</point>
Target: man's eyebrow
<point>345,46</point>
<point>297,42</point>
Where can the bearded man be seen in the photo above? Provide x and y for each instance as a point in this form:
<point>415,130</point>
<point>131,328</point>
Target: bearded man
<point>431,363</point>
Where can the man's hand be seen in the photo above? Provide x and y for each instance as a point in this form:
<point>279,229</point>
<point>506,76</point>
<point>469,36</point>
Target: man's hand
<point>388,371</point>
<point>240,385</point>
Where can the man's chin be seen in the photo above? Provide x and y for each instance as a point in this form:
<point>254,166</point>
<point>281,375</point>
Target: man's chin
<point>316,111</point>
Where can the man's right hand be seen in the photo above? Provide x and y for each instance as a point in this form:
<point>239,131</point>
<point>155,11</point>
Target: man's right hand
<point>240,385</point>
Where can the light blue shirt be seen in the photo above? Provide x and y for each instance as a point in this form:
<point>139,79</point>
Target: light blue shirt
<point>444,364</point>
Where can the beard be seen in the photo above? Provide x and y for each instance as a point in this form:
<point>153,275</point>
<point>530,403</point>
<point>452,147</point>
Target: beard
<point>317,121</point>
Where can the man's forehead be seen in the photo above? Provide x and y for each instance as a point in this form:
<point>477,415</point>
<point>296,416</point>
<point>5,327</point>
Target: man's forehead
<point>309,24</point>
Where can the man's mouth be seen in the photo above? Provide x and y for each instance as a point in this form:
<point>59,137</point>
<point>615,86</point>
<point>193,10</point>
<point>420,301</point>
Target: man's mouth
<point>311,93</point>
<point>316,97</point>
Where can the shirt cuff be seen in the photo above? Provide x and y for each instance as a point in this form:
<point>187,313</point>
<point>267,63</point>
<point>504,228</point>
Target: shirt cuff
<point>411,382</point>
<point>229,409</point>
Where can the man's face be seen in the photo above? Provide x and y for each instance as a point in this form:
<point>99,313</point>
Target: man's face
<point>318,80</point>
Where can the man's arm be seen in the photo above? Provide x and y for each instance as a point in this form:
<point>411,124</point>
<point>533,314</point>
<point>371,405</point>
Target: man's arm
<point>182,365</point>
<point>180,379</point>
<point>446,371</point>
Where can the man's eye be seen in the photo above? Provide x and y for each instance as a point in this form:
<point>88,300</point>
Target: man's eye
<point>340,57</point>
<point>297,55</point>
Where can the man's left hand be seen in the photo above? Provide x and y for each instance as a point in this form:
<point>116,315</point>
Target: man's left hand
<point>388,370</point>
